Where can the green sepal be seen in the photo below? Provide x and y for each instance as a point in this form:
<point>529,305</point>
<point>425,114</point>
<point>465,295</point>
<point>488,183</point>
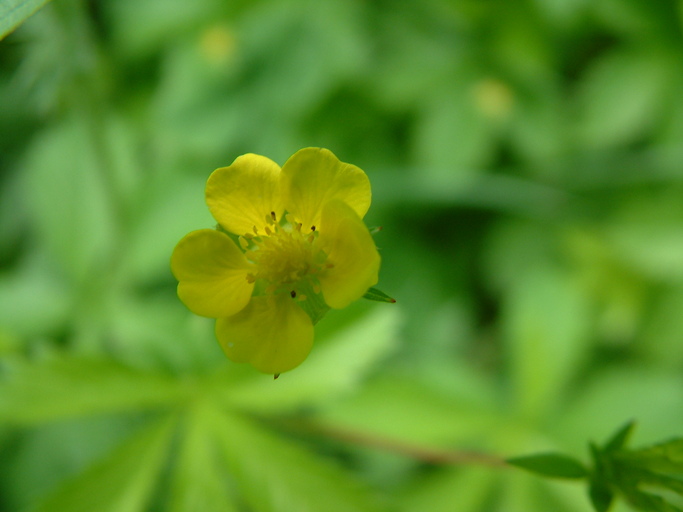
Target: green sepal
<point>378,295</point>
<point>553,465</point>
<point>314,305</point>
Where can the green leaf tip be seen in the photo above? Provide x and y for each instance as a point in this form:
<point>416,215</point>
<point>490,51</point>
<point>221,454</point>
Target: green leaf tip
<point>601,495</point>
<point>378,296</point>
<point>620,437</point>
<point>553,465</point>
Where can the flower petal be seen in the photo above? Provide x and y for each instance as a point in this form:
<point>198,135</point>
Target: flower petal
<point>212,274</point>
<point>243,194</point>
<point>351,253</point>
<point>272,333</point>
<point>313,176</point>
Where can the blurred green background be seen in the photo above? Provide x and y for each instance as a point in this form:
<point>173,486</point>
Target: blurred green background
<point>526,159</point>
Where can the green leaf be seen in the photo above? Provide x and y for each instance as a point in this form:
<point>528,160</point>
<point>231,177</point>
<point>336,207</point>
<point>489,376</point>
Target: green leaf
<point>416,413</point>
<point>70,387</point>
<point>77,233</point>
<point>612,108</point>
<point>14,12</point>
<point>378,295</point>
<point>121,482</point>
<point>649,502</point>
<point>547,329</point>
<point>620,437</point>
<point>664,457</point>
<point>274,474</point>
<point>199,480</point>
<point>601,495</point>
<point>554,465</point>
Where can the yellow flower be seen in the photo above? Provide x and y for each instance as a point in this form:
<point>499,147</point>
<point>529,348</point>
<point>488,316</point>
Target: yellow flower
<point>290,244</point>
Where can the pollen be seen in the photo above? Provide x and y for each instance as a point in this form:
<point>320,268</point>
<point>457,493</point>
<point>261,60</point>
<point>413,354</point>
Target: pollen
<point>283,255</point>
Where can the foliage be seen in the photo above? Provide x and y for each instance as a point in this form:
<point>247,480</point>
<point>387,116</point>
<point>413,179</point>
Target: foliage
<point>525,160</point>
<point>14,12</point>
<point>622,471</point>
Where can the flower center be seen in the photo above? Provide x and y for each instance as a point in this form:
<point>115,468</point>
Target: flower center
<point>284,255</point>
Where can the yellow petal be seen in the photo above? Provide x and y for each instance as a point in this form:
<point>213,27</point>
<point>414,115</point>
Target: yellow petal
<point>313,176</point>
<point>212,274</point>
<point>272,333</point>
<point>243,194</point>
<point>353,260</point>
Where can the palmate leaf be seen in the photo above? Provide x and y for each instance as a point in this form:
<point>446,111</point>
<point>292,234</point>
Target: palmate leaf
<point>275,475</point>
<point>121,482</point>
<point>70,387</point>
<point>14,12</point>
<point>199,481</point>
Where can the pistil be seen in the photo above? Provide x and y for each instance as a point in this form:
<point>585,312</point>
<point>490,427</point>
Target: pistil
<point>284,256</point>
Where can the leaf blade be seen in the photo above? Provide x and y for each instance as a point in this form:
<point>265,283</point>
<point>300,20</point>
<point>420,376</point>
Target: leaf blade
<point>14,12</point>
<point>551,464</point>
<point>122,481</point>
<point>275,474</point>
<point>35,393</point>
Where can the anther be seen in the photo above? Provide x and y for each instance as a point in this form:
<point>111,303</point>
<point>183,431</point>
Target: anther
<point>312,228</point>
<point>255,230</point>
<point>273,216</point>
<point>293,294</point>
<point>251,278</point>
<point>298,226</point>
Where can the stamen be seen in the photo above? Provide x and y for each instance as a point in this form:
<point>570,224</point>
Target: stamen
<point>312,228</point>
<point>251,278</point>
<point>298,227</point>
<point>293,294</point>
<point>275,376</point>
<point>255,230</point>
<point>310,238</point>
<point>244,243</point>
<point>268,231</point>
<point>273,216</point>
